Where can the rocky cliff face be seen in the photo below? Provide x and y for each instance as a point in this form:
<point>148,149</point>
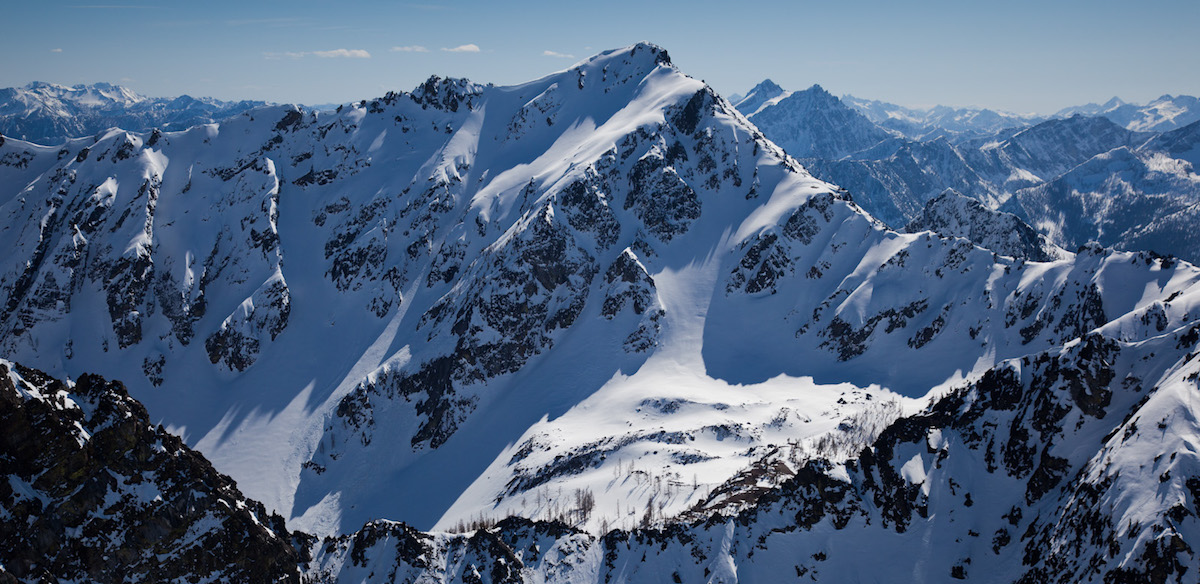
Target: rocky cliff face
<point>94,492</point>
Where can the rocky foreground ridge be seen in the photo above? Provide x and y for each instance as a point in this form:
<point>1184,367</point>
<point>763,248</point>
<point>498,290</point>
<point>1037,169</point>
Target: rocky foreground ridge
<point>94,492</point>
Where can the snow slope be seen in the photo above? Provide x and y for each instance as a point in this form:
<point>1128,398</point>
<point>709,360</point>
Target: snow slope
<point>1069,465</point>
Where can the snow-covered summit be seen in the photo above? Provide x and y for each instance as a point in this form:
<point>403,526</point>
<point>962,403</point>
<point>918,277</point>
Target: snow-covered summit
<point>815,123</point>
<point>1091,109</point>
<point>757,96</point>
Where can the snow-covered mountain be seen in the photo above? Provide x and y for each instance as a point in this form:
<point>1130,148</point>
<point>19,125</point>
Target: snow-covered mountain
<point>1160,115</point>
<point>958,124</point>
<point>1141,199</point>
<point>444,242</point>
<point>1182,144</point>
<point>811,123</point>
<point>956,215</point>
<point>757,97</point>
<point>48,113</point>
<point>1091,109</point>
<point>1068,465</point>
<point>894,179</point>
<point>1040,153</point>
<point>602,298</point>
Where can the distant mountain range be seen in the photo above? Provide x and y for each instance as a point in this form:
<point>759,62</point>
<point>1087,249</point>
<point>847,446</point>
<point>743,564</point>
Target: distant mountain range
<point>1117,174</point>
<point>929,123</point>
<point>47,113</point>
<point>1161,115</point>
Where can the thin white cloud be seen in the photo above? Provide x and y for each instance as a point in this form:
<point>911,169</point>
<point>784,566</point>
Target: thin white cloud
<point>558,54</point>
<point>467,48</point>
<point>410,49</point>
<point>343,54</point>
<point>55,50</point>
<point>334,54</point>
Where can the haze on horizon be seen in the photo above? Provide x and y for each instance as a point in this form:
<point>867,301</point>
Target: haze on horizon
<point>1021,56</point>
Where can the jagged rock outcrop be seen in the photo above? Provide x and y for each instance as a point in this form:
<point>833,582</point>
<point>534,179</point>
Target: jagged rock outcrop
<point>94,492</point>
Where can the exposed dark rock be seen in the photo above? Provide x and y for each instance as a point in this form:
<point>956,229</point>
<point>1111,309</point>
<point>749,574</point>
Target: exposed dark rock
<point>104,496</point>
<point>848,342</point>
<point>663,201</point>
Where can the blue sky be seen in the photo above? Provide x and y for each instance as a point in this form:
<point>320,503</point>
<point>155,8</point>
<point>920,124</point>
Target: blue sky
<point>1016,55</point>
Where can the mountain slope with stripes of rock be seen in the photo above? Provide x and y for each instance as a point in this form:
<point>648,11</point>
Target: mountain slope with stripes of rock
<point>600,297</point>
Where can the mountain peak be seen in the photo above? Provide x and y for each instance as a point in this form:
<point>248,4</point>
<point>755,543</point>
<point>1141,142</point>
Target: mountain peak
<point>814,123</point>
<point>35,85</point>
<point>660,55</point>
<point>445,93</point>
<point>766,86</point>
<point>758,96</point>
<point>1113,103</point>
<point>818,96</point>
<point>643,50</point>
